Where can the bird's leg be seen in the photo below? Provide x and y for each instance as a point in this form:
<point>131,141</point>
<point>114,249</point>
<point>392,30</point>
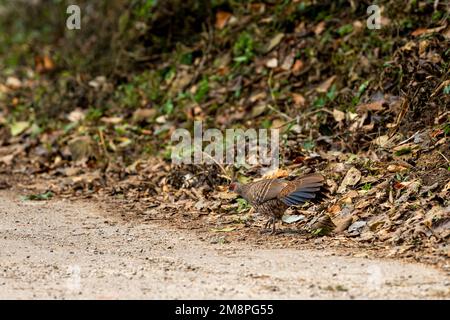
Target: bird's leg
<point>273,225</point>
<point>267,223</point>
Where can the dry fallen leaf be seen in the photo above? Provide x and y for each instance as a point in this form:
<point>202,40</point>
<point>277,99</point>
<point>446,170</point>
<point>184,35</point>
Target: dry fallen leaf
<point>334,209</point>
<point>342,224</point>
<point>86,178</point>
<point>44,64</point>
<point>299,100</point>
<point>351,178</point>
<point>272,63</point>
<point>225,195</point>
<point>76,115</point>
<point>396,168</point>
<point>13,83</point>
<point>274,42</point>
<point>319,28</point>
<point>143,114</point>
<point>446,33</point>
<point>222,18</point>
<point>422,31</point>
<point>48,63</point>
<point>182,79</point>
<point>423,46</point>
<point>227,229</point>
<point>98,82</point>
<point>7,160</point>
<point>258,96</point>
<point>324,86</point>
<point>358,26</point>
<point>298,66</point>
<point>418,32</point>
<point>111,120</point>
<point>19,127</point>
<point>258,110</point>
<point>373,106</point>
<point>276,173</point>
<point>288,62</point>
<point>382,141</point>
<point>322,225</point>
<point>278,123</point>
<point>338,115</point>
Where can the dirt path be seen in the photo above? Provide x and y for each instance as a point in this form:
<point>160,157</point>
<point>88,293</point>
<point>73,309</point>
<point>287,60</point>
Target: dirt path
<point>60,249</point>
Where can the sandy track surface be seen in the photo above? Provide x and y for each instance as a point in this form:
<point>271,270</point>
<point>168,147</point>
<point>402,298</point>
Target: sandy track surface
<point>73,250</point>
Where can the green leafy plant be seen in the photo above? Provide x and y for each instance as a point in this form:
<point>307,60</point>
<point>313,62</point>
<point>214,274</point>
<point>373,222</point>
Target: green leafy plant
<point>143,8</point>
<point>320,232</point>
<point>331,94</point>
<point>447,129</point>
<point>308,144</point>
<point>243,49</point>
<point>447,90</point>
<point>362,88</point>
<point>243,205</point>
<point>402,151</point>
<point>41,196</point>
<point>186,58</point>
<point>94,114</point>
<point>266,123</point>
<point>320,102</point>
<point>168,107</point>
<point>345,29</point>
<point>323,99</point>
<point>202,90</point>
<point>367,186</point>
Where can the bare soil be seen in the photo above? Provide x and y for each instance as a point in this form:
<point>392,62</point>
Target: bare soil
<point>61,249</point>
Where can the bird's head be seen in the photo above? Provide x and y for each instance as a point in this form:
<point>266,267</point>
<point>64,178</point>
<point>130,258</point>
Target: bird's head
<point>234,187</point>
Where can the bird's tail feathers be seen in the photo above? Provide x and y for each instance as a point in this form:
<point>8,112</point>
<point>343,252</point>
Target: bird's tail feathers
<point>303,189</point>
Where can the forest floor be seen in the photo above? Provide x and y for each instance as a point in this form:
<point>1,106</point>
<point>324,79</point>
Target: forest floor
<point>87,118</point>
<point>62,249</point>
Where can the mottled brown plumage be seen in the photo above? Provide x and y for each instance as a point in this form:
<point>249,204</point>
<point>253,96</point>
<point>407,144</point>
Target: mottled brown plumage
<point>271,197</point>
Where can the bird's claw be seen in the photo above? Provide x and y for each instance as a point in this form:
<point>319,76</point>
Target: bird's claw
<point>267,225</point>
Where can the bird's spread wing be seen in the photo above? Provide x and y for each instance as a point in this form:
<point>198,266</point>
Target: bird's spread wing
<point>301,190</point>
<point>264,190</point>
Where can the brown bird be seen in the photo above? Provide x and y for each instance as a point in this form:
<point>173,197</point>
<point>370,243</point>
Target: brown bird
<point>271,197</point>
